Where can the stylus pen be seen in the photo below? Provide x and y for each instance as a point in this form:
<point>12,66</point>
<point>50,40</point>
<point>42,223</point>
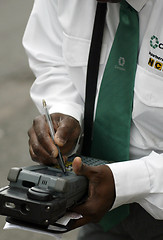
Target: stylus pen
<point>52,133</point>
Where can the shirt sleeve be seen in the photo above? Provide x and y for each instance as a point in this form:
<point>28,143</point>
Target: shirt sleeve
<point>42,41</point>
<point>140,181</point>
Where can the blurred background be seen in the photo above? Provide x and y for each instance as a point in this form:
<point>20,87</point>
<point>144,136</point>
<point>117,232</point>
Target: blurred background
<point>16,108</point>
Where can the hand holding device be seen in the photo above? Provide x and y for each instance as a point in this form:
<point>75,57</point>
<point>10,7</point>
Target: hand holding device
<point>40,194</point>
<point>101,193</point>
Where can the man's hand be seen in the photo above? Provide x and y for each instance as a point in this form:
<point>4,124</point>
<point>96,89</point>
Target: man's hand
<point>101,193</point>
<point>41,146</point>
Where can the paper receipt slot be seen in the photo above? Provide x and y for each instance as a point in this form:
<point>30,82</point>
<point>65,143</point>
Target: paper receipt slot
<point>41,195</point>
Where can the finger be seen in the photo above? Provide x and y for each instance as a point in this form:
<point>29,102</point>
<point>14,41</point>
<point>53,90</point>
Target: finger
<point>92,209</point>
<point>82,169</point>
<point>89,212</point>
<point>41,157</point>
<point>68,130</point>
<point>43,136</point>
<point>35,147</point>
<point>32,154</point>
<point>83,209</point>
<point>77,223</point>
<point>37,152</point>
<point>77,165</point>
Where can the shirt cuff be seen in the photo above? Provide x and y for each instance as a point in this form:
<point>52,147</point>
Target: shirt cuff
<point>67,110</point>
<point>132,180</point>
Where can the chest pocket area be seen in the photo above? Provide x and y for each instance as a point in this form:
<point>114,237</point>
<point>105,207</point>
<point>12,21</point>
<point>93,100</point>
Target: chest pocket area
<point>75,55</point>
<point>148,109</point>
<point>76,51</point>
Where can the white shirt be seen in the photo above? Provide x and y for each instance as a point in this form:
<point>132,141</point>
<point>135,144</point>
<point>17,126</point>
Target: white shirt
<point>57,41</point>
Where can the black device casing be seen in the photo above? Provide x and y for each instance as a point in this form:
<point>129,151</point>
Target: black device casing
<point>41,195</point>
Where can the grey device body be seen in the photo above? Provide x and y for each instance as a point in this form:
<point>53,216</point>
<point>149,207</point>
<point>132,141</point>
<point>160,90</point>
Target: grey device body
<point>41,195</point>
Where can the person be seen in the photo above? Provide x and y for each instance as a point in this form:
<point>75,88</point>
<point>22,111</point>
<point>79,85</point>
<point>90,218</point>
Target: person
<point>57,41</point>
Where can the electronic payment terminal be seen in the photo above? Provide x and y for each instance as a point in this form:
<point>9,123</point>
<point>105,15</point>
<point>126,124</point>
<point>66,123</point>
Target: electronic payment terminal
<point>41,195</point>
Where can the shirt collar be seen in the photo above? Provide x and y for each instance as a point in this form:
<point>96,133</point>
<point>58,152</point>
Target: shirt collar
<point>137,4</point>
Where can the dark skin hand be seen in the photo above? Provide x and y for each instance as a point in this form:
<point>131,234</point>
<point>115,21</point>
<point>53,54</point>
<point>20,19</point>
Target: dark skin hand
<point>101,193</point>
<point>41,146</point>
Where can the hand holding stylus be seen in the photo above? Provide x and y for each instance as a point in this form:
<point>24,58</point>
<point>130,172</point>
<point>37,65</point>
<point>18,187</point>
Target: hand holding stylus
<point>41,145</point>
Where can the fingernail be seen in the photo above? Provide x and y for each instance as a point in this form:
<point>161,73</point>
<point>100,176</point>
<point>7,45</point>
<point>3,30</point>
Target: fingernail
<point>77,164</point>
<point>60,140</point>
<point>78,159</point>
<point>54,154</point>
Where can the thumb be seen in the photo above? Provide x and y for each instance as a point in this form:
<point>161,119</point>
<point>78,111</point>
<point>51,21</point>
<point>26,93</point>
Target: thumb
<point>64,131</point>
<point>81,169</point>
